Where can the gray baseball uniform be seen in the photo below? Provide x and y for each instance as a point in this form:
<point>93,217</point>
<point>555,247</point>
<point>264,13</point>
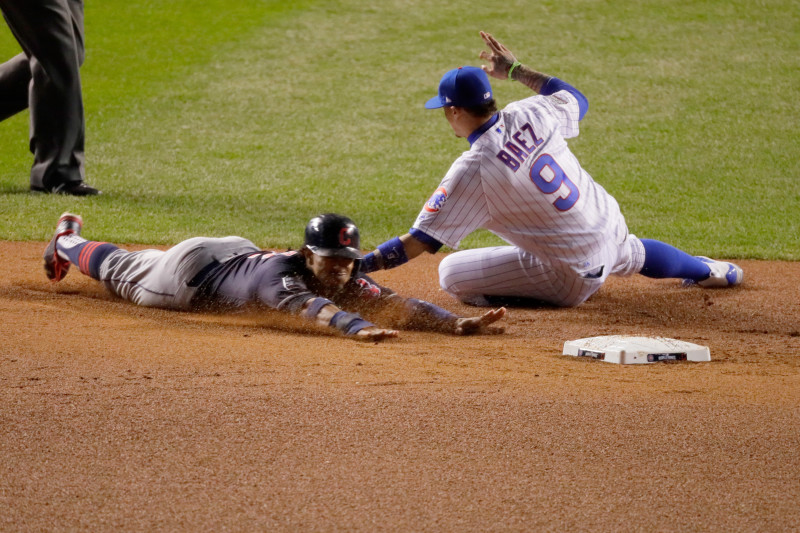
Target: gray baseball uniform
<point>158,278</point>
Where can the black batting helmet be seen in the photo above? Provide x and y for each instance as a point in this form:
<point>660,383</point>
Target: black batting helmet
<point>333,235</point>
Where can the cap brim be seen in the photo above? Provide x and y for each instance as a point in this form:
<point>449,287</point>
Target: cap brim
<point>434,103</point>
<point>350,253</point>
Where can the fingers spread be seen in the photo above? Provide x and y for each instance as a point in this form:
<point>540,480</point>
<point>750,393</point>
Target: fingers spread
<point>495,45</point>
<point>493,316</point>
<point>479,324</point>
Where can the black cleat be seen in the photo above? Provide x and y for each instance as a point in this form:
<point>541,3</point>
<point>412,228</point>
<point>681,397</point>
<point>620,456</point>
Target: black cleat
<point>74,188</point>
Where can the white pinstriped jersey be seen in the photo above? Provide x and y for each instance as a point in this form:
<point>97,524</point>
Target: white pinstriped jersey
<point>520,181</point>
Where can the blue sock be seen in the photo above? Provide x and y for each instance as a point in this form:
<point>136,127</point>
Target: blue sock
<point>664,261</point>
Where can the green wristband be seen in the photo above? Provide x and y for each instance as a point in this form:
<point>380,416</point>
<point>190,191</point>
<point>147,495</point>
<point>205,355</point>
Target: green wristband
<point>513,66</point>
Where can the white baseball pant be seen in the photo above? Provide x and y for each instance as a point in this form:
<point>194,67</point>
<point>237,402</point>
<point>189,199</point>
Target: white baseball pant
<point>472,275</point>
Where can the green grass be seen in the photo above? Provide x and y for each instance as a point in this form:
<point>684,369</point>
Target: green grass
<point>247,118</point>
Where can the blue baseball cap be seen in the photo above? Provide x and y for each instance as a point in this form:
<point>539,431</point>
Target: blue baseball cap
<point>462,87</point>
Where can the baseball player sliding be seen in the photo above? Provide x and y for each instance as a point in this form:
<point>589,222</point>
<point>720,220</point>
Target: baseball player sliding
<point>321,281</point>
<point>520,181</point>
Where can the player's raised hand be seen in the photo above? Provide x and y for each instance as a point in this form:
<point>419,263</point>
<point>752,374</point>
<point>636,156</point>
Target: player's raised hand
<point>480,324</point>
<point>500,58</point>
<point>374,333</point>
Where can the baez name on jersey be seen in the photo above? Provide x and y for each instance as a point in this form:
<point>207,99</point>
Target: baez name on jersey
<point>522,149</point>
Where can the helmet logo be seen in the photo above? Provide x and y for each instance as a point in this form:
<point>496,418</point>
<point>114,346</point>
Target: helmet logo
<point>332,235</point>
<point>344,239</point>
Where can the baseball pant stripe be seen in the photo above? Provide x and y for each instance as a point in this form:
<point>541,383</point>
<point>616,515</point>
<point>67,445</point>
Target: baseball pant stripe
<point>85,256</point>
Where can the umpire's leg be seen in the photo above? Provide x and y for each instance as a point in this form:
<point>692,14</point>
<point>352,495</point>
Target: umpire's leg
<point>51,35</point>
<point>15,78</point>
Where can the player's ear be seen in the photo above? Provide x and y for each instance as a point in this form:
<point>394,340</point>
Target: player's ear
<point>307,254</point>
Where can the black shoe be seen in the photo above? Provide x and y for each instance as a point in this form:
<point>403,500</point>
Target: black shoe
<point>74,188</point>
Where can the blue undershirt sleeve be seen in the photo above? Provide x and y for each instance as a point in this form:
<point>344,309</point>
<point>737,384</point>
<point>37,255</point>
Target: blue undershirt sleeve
<point>553,85</point>
<point>425,239</point>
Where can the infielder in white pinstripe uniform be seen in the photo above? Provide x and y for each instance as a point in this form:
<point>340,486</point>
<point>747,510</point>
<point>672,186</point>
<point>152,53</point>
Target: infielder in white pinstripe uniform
<point>520,181</point>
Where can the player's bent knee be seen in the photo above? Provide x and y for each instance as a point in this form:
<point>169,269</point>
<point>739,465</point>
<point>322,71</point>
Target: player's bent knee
<point>448,276</point>
<point>453,281</point>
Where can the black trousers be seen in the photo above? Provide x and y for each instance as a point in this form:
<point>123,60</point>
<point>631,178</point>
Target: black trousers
<point>45,77</point>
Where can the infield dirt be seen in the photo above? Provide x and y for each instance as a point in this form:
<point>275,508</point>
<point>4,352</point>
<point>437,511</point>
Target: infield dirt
<point>116,417</point>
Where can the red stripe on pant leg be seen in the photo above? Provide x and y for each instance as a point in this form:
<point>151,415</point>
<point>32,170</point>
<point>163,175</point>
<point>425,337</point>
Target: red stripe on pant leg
<point>85,256</point>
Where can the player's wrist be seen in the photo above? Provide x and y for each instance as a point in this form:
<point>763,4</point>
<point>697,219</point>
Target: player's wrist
<point>514,66</point>
<point>349,323</point>
<point>371,262</point>
<point>427,316</point>
<point>392,253</point>
<point>314,306</point>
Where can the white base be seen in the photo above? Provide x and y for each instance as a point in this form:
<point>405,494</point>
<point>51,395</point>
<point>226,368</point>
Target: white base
<point>626,350</point>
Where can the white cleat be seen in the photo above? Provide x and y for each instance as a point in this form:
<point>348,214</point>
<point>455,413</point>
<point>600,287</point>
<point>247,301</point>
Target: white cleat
<point>723,274</point>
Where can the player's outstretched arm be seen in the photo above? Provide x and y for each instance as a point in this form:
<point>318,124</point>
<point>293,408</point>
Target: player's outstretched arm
<point>324,313</point>
<point>421,315</point>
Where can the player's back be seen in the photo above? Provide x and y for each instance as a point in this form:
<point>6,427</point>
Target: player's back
<point>256,276</point>
<point>538,196</point>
